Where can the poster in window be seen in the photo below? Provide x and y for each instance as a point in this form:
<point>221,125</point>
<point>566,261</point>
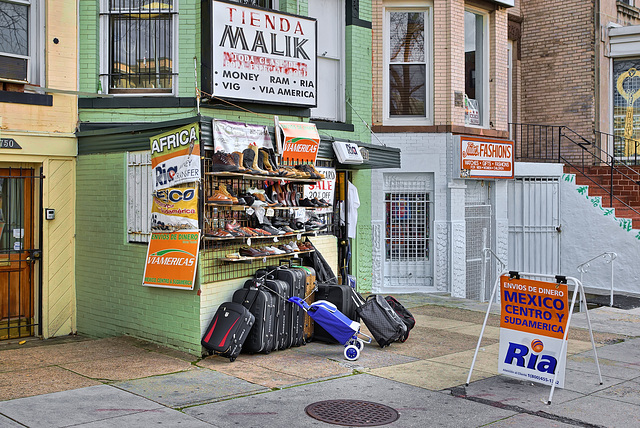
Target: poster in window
<point>626,116</point>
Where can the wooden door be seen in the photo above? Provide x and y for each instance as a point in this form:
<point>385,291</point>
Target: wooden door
<point>16,252</point>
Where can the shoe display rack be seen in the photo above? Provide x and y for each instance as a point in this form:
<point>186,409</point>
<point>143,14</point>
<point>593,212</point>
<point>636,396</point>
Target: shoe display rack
<point>254,215</point>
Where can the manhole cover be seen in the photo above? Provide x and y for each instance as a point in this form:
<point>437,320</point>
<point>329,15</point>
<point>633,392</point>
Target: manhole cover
<point>353,413</point>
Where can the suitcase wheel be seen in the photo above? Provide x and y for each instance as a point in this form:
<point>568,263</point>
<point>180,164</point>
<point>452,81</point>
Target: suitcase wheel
<point>232,359</point>
<point>351,352</point>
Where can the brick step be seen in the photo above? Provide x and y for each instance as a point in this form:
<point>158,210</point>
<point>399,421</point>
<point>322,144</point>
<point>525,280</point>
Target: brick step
<point>630,198</point>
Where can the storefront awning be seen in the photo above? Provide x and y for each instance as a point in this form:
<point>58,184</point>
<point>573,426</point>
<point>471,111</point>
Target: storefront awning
<point>118,137</point>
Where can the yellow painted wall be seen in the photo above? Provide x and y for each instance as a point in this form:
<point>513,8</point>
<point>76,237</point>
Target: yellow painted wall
<point>46,135</point>
<point>59,297</point>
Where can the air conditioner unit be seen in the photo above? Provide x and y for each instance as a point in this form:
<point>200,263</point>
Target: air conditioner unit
<point>14,68</point>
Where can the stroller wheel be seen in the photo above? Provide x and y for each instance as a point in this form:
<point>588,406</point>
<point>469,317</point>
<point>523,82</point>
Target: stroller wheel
<point>351,352</point>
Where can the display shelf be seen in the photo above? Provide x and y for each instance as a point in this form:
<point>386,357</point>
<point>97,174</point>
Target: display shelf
<point>227,174</point>
<point>272,256</point>
<point>296,235</point>
<point>236,207</point>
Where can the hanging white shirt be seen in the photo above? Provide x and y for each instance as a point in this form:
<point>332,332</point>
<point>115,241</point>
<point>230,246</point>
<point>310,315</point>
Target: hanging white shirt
<point>353,202</point>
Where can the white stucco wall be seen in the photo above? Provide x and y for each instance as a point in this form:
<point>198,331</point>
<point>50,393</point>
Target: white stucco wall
<point>588,230</point>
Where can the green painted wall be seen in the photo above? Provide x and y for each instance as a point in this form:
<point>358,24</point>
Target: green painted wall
<point>111,299</point>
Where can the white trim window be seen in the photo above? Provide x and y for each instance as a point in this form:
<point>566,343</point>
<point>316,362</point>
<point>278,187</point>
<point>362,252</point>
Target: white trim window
<point>21,41</point>
<point>408,75</point>
<point>330,59</point>
<point>476,66</point>
<point>139,46</point>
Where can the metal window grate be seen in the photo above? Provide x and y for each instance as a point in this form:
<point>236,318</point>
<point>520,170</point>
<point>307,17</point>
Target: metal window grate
<point>141,46</point>
<point>407,226</point>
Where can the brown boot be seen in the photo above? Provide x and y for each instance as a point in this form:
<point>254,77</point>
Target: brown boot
<point>222,188</point>
<point>255,166</point>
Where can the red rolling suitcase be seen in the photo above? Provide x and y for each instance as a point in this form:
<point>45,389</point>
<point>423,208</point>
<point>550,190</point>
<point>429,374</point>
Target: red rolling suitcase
<point>228,330</point>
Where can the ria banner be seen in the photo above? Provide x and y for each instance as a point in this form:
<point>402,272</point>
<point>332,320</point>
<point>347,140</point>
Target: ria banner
<point>175,157</point>
<point>533,321</point>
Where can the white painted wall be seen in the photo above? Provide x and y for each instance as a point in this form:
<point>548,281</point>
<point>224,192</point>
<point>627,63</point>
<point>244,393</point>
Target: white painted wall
<point>587,232</point>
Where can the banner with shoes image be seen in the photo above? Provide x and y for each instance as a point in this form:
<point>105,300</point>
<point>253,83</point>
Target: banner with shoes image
<point>175,208</point>
<point>232,137</point>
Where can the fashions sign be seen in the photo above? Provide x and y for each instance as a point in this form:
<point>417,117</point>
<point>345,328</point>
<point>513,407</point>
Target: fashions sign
<point>262,55</point>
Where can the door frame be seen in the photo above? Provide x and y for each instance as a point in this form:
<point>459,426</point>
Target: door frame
<point>25,320</point>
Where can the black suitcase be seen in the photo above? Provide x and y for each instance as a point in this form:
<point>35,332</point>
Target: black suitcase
<point>228,330</point>
<point>296,279</point>
<point>339,295</point>
<point>261,304</point>
<point>280,290</point>
<point>384,324</point>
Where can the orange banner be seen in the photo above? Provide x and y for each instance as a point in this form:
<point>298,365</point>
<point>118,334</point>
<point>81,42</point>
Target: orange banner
<point>535,307</point>
<point>301,142</point>
<point>172,259</point>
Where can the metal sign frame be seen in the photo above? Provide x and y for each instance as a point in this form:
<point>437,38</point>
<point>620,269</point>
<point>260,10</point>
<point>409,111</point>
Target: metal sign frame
<point>563,353</point>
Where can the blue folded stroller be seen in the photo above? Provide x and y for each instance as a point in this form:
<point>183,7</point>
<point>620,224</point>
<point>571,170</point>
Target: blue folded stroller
<point>337,324</point>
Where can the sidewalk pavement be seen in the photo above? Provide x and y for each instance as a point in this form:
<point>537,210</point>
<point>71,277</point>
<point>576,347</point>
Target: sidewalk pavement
<point>123,381</point>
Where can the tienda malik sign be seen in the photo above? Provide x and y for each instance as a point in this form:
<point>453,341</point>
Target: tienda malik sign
<point>486,158</point>
<point>263,55</point>
<point>533,321</point>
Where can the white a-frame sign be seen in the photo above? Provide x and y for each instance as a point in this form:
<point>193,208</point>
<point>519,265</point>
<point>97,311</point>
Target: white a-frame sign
<point>534,324</point>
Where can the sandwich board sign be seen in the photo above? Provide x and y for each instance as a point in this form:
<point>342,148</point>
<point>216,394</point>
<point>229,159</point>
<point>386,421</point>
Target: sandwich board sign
<point>534,325</point>
<point>533,320</point>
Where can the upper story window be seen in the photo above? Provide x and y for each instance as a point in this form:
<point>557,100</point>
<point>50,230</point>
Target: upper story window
<point>330,75</point>
<point>408,94</point>
<point>476,65</point>
<point>140,51</point>
<point>21,41</point>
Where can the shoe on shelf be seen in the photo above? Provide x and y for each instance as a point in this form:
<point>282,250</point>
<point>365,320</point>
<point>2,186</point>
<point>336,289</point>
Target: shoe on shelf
<point>221,161</point>
<point>251,252</point>
<point>219,233</point>
<point>255,165</point>
<point>219,198</point>
<point>222,188</point>
<point>272,230</point>
<point>306,202</point>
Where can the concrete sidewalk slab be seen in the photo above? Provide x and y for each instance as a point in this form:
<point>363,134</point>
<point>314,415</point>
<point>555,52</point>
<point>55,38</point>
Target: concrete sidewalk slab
<point>598,411</point>
<point>135,365</point>
<point>627,351</point>
<point>42,380</point>
<point>423,374</point>
<point>77,406</point>
<point>614,369</point>
<point>371,357</point>
<point>628,391</point>
<point>286,407</point>
<point>427,343</point>
<point>156,417</point>
<point>526,420</point>
<point>189,388</point>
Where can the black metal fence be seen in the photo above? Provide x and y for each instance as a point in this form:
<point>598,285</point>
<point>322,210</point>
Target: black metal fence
<point>561,144</point>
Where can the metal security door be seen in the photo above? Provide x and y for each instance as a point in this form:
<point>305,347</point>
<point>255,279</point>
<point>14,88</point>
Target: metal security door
<point>407,236</point>
<point>534,225</point>
<point>478,219</point>
<point>17,253</point>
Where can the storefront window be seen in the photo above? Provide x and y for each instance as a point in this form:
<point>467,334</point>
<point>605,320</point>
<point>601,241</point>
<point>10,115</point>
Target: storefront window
<point>626,116</point>
<point>407,57</point>
<point>475,60</point>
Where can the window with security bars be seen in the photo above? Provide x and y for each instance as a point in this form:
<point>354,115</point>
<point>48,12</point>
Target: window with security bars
<point>407,222</point>
<point>407,68</point>
<point>141,46</point>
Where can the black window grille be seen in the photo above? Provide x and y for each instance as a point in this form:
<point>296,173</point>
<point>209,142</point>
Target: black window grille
<point>141,46</point>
